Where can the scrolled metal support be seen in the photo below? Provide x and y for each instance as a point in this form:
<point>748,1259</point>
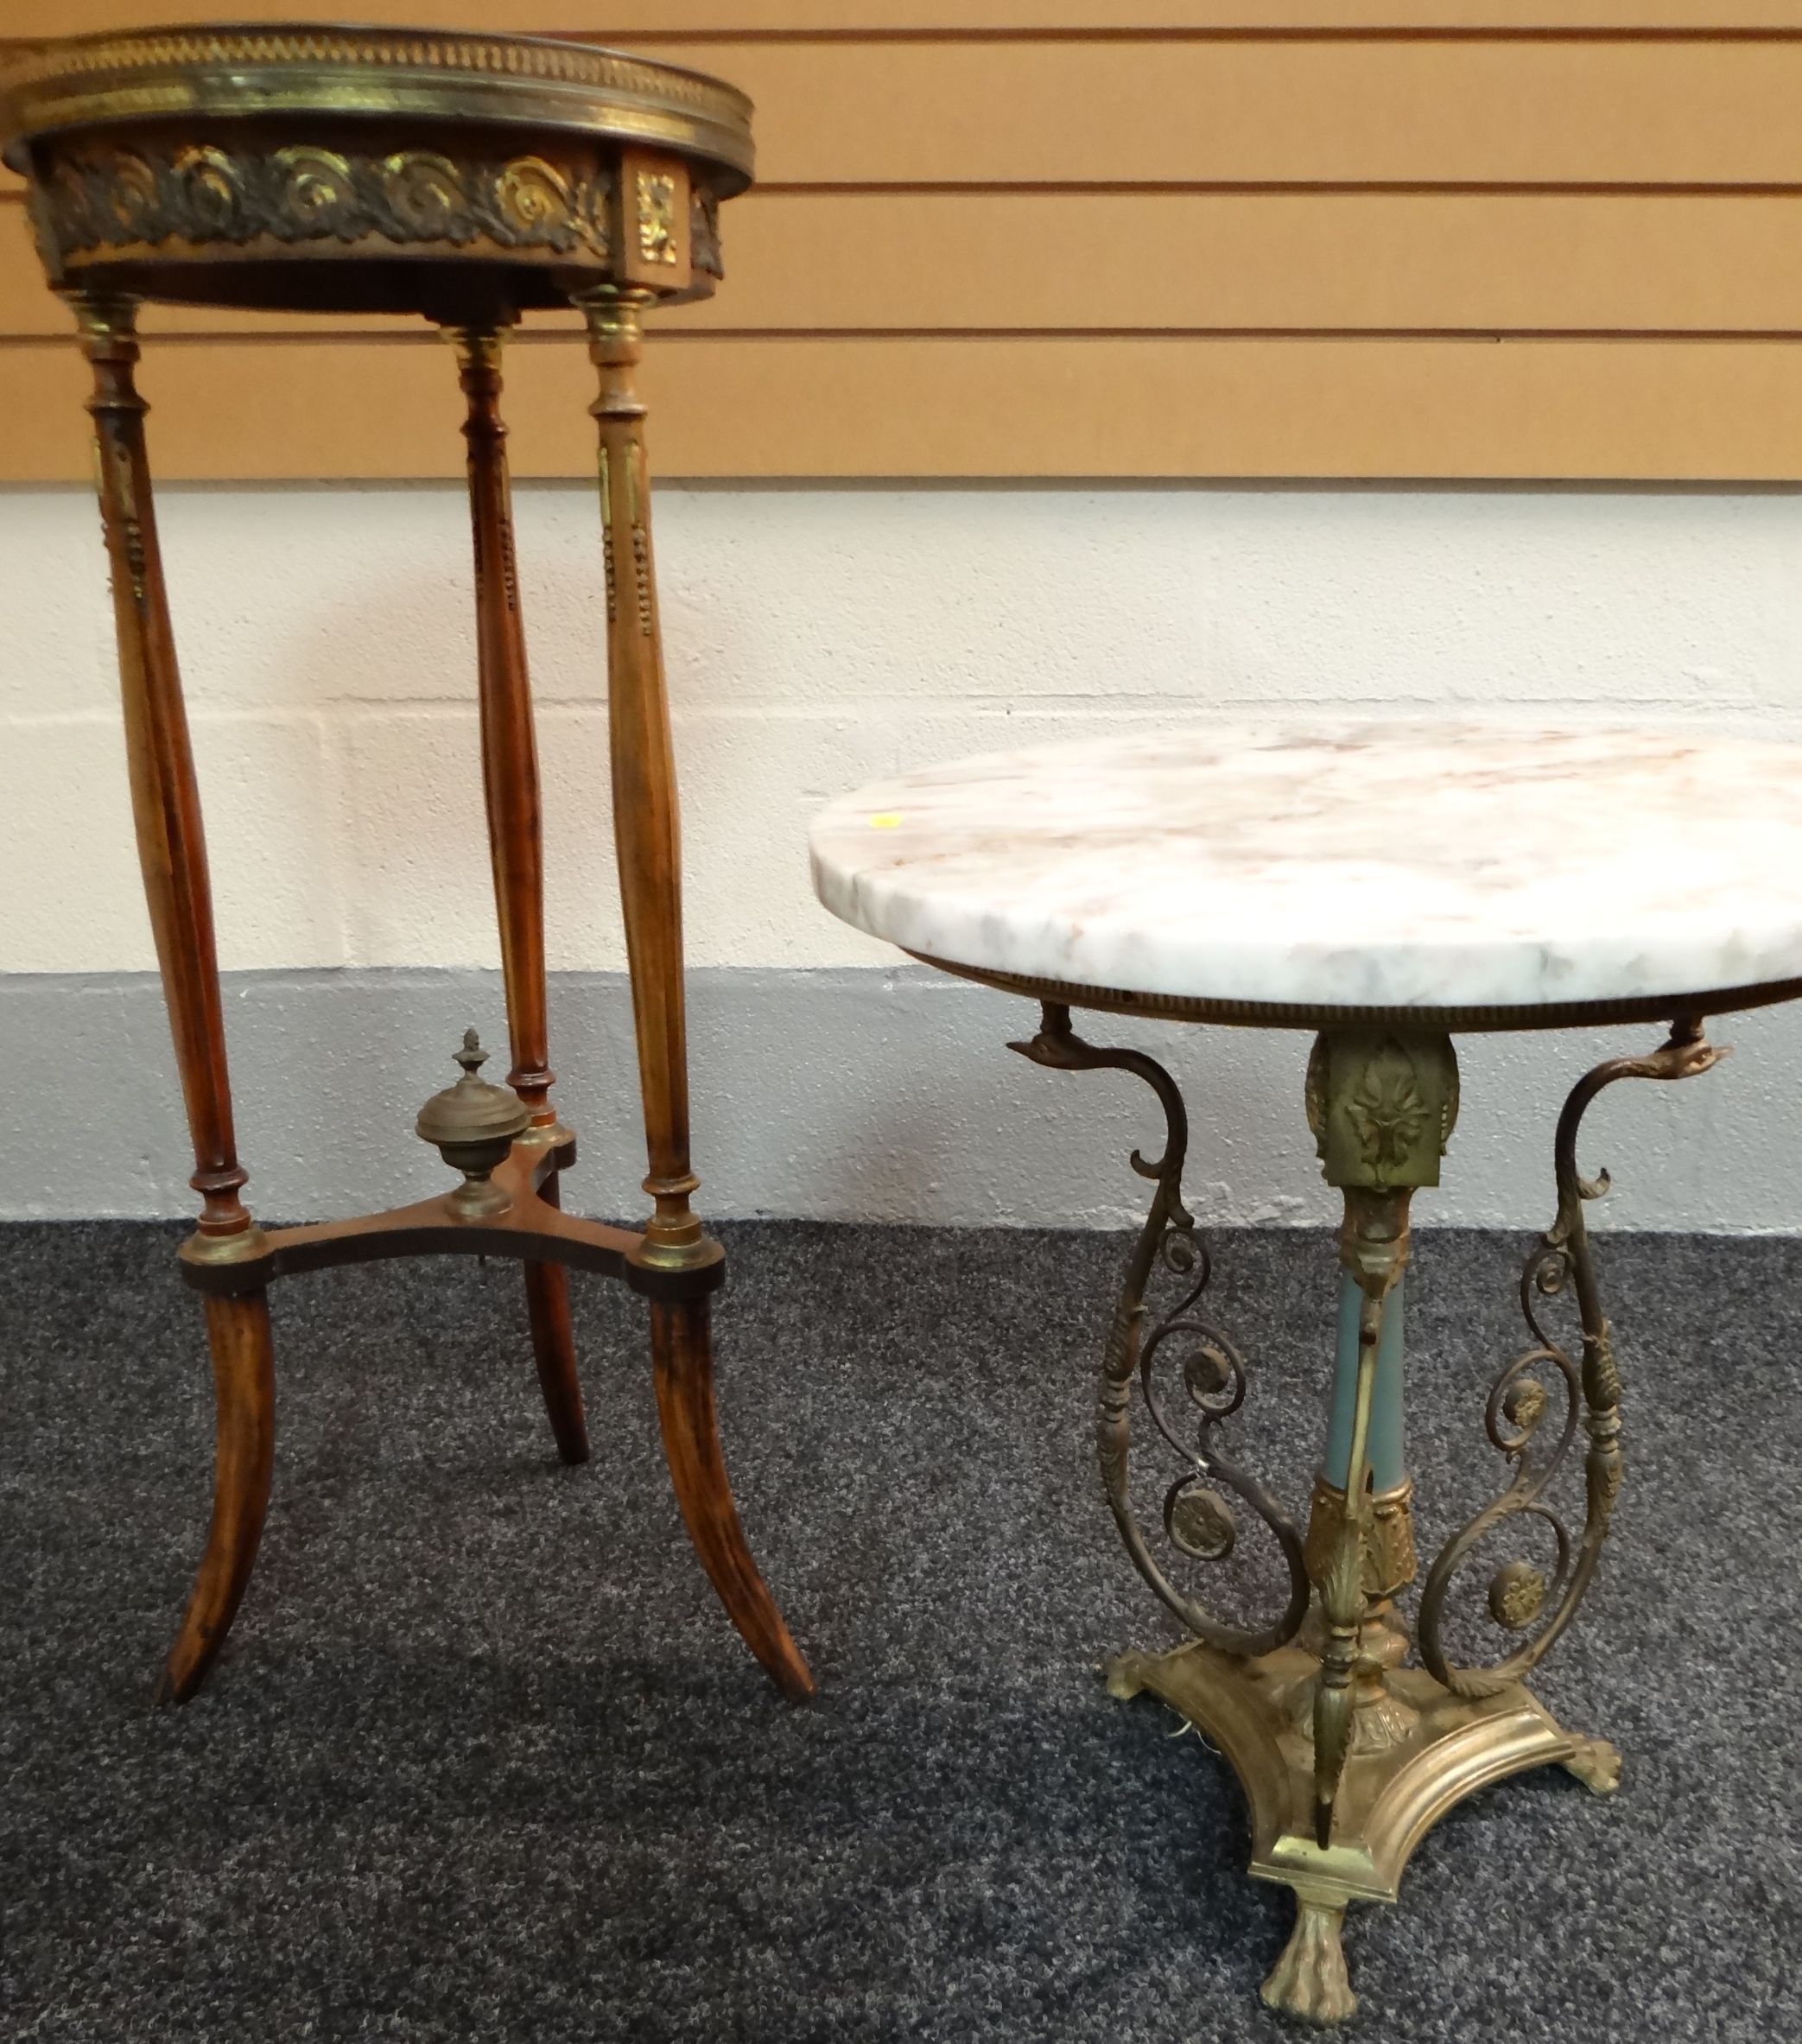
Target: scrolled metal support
<point>1196,1518</point>
<point>1520,1594</point>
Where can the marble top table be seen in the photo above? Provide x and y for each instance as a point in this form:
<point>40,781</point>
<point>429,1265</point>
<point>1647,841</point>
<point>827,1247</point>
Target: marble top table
<point>1385,884</point>
<point>1477,876</point>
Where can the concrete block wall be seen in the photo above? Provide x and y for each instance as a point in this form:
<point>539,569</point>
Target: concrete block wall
<point>817,637</point>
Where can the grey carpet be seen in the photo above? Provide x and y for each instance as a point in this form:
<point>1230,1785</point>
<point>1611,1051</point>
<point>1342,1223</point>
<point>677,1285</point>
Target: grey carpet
<point>484,1761</point>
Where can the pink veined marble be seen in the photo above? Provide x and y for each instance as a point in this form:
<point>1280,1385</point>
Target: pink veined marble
<point>1388,865</point>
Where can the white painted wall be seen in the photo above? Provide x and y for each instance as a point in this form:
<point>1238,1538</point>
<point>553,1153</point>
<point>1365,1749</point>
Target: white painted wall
<point>818,637</point>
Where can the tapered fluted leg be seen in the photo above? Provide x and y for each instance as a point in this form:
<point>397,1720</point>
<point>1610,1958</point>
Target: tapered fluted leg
<point>243,1382</point>
<point>647,828</point>
<point>682,1360</point>
<point>172,853</point>
<point>510,780</point>
<point>647,838</point>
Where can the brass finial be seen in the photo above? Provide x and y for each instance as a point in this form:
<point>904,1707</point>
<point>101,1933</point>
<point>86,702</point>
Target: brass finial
<point>472,1125</point>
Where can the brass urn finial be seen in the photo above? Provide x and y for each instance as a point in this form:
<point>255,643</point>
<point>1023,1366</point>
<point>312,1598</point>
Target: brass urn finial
<point>472,1125</point>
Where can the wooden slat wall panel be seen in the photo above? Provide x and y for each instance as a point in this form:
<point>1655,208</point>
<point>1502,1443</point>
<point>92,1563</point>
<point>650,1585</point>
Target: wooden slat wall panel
<point>1190,262</point>
<point>1410,112</point>
<point>961,112</point>
<point>1172,237</point>
<point>1047,407</point>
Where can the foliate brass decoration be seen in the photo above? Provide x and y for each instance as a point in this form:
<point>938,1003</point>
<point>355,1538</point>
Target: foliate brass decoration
<point>1201,1523</point>
<point>1517,1591</point>
<point>656,204</point>
<point>1386,1111</point>
<point>1390,1563</point>
<point>1313,1091</point>
<point>1517,1406</point>
<point>704,232</point>
<point>1197,1520</point>
<point>657,217</point>
<point>1523,1405</point>
<point>1348,1756</point>
<point>1380,1718</point>
<point>118,198</point>
<point>1382,1108</point>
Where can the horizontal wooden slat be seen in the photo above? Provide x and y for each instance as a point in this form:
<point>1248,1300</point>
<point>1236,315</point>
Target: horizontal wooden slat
<point>1292,262</point>
<point>961,112</point>
<point>1278,113</point>
<point>1719,411</point>
<point>644,18</point>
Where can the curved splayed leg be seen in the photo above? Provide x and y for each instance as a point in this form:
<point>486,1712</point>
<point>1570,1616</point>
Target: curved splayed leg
<point>243,1376</point>
<point>681,1364</point>
<point>178,892</point>
<point>646,835</point>
<point>547,1304</point>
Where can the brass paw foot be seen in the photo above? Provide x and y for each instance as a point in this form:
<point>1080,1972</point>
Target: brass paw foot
<point>1309,1979</point>
<point>1128,1675</point>
<point>1597,1764</point>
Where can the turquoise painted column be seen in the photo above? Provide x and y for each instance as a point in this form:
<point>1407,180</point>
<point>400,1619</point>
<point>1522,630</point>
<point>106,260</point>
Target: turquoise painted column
<point>1388,1468</point>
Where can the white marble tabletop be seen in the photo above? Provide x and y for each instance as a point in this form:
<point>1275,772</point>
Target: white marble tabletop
<point>1342,864</point>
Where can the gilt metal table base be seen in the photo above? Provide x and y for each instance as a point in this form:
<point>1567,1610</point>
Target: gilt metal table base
<point>1347,1757</point>
<point>1257,1711</point>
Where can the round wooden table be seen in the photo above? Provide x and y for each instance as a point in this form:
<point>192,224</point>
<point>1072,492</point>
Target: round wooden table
<point>464,179</point>
<point>1382,886</point>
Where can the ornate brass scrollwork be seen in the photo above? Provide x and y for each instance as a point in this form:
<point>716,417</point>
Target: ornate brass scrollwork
<point>1520,1595</point>
<point>1197,1520</point>
<point>110,197</point>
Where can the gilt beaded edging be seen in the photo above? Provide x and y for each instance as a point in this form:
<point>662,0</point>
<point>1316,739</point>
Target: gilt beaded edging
<point>534,58</point>
<point>1276,1014</point>
<point>253,74</point>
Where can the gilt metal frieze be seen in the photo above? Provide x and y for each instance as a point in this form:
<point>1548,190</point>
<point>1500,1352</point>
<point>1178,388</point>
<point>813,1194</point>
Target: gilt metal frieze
<point>202,195</point>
